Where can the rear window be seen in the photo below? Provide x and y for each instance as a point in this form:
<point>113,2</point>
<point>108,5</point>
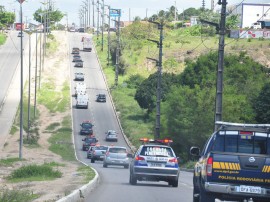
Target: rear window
<point>101,148</point>
<point>157,151</point>
<point>242,142</point>
<point>117,150</point>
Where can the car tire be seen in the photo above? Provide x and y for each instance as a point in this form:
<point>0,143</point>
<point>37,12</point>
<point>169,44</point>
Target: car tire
<point>132,179</point>
<point>174,183</point>
<point>126,166</point>
<point>205,196</point>
<point>105,165</point>
<point>92,160</point>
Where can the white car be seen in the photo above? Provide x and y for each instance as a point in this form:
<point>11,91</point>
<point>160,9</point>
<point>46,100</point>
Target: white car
<point>79,76</point>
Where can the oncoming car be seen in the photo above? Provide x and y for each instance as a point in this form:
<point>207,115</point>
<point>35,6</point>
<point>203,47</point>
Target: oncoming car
<point>155,161</point>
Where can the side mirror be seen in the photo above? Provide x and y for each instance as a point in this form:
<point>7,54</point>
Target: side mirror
<point>195,151</point>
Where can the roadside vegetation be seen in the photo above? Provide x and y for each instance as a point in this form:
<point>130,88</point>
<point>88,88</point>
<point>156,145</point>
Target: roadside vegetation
<point>2,39</point>
<point>188,83</point>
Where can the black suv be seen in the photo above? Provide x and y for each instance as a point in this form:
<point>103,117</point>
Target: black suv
<point>86,128</point>
<point>88,141</point>
<point>101,98</point>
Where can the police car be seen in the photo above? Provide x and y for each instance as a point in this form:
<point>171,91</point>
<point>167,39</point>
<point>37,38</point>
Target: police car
<point>155,160</point>
<point>234,164</point>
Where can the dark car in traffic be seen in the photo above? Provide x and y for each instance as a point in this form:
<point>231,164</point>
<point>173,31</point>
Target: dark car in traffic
<point>101,97</point>
<point>86,128</point>
<point>96,153</point>
<point>87,142</point>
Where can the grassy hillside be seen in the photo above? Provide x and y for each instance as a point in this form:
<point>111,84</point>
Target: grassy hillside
<point>179,46</point>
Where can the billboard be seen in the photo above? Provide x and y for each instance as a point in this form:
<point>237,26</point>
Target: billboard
<point>115,12</point>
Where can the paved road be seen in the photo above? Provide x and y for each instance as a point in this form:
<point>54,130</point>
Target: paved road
<point>10,81</point>
<point>114,184</point>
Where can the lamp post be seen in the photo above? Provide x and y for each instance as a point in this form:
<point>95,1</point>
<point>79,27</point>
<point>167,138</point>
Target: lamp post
<point>102,28</point>
<point>21,90</point>
<point>86,13</point>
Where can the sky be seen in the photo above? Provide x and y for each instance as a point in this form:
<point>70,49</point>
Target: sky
<point>129,8</point>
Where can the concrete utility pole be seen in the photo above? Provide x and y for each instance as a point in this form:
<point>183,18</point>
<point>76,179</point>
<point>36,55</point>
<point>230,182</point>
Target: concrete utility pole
<point>21,90</point>
<point>97,19</point>
<point>159,64</point>
<point>93,13</point>
<point>29,88</point>
<point>219,87</point>
<point>102,28</point>
<point>117,50</point>
<point>109,26</point>
<point>35,96</point>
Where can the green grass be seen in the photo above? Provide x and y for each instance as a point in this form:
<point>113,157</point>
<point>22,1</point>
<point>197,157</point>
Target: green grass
<point>7,195</point>
<point>8,161</point>
<point>51,45</point>
<point>34,173</point>
<point>87,172</point>
<point>54,101</point>
<point>61,141</point>
<point>2,39</point>
<point>53,126</point>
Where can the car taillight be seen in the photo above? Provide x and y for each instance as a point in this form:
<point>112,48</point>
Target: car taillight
<point>139,158</point>
<point>173,160</point>
<point>209,166</point>
<point>107,153</point>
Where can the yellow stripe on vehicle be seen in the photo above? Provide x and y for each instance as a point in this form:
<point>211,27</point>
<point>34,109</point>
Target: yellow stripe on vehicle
<point>233,166</point>
<point>230,165</point>
<point>238,166</point>
<point>268,169</point>
<point>216,165</point>
<point>222,165</point>
<point>264,169</point>
<point>227,166</point>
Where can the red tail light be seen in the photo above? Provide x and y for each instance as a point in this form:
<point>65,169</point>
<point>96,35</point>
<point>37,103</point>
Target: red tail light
<point>139,158</point>
<point>173,160</point>
<point>107,153</point>
<point>209,166</point>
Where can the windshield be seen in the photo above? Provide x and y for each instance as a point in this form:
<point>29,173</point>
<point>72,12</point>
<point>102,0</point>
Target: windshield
<point>90,140</point>
<point>242,142</point>
<point>117,150</point>
<point>87,125</point>
<point>157,151</point>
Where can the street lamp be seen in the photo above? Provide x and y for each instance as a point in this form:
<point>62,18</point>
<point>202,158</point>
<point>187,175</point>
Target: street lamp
<point>21,90</point>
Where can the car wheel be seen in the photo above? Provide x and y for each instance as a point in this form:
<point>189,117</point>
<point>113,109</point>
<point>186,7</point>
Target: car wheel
<point>105,165</point>
<point>92,160</point>
<point>132,179</point>
<point>126,166</point>
<point>205,196</point>
<point>174,183</point>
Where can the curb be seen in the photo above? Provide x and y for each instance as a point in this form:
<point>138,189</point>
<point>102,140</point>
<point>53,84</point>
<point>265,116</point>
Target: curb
<point>79,194</point>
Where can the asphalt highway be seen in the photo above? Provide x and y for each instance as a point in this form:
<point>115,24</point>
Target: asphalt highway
<point>114,180</point>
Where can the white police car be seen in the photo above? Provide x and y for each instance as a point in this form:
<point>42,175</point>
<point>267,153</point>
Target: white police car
<point>155,161</point>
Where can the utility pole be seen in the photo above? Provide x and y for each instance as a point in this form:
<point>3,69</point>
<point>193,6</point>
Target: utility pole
<point>102,28</point>
<point>159,74</point>
<point>93,13</point>
<point>109,26</point>
<point>97,19</point>
<point>219,87</point>
<point>35,96</point>
<point>117,13</point>
<point>21,90</point>
<point>29,87</point>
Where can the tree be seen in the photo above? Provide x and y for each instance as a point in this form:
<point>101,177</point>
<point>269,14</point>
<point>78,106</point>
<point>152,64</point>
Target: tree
<point>262,105</point>
<point>146,92</point>
<point>6,18</point>
<point>232,22</point>
<point>54,15</point>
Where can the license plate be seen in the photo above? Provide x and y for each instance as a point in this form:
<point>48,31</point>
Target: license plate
<point>250,189</point>
<point>156,165</point>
